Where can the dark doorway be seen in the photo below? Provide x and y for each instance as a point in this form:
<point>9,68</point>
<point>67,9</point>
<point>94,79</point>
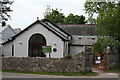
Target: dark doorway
<point>12,50</point>
<point>36,42</point>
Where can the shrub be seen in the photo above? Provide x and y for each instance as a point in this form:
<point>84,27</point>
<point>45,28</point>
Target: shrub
<point>69,56</point>
<point>102,43</point>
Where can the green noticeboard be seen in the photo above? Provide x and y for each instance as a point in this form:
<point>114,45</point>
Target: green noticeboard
<point>46,49</point>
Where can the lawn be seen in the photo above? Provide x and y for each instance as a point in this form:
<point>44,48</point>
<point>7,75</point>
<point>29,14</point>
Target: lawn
<point>58,74</point>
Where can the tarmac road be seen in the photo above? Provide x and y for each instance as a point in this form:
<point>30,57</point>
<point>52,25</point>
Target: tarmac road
<point>22,75</point>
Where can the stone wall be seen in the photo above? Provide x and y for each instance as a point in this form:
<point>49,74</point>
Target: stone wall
<point>79,62</point>
<point>111,60</point>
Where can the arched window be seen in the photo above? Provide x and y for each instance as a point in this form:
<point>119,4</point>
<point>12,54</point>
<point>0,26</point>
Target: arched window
<point>36,42</point>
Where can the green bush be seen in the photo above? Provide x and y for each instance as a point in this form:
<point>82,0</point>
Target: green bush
<point>69,56</point>
<point>102,43</point>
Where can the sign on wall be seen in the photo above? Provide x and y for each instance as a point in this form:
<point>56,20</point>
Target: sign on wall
<point>46,49</point>
<point>98,58</point>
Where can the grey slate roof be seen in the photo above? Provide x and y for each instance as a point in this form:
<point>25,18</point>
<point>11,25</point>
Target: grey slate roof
<point>80,30</point>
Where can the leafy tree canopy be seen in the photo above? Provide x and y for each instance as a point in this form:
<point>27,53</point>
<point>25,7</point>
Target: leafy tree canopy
<point>74,19</point>
<point>102,43</point>
<point>59,18</point>
<point>108,23</point>
<point>4,9</point>
<point>54,15</point>
<point>108,17</point>
<point>95,7</point>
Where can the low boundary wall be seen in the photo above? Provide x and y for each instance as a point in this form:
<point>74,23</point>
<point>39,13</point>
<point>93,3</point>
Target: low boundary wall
<point>79,62</point>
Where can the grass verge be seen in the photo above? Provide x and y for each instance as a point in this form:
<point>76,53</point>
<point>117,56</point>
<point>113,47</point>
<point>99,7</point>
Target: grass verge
<point>113,70</point>
<point>58,74</point>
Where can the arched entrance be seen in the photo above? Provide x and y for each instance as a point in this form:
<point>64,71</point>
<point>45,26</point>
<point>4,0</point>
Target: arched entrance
<point>36,42</point>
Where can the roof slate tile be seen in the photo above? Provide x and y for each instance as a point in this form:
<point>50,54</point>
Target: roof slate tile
<point>81,30</point>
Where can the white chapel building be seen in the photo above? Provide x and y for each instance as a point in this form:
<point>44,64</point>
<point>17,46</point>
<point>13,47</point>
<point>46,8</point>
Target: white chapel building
<point>62,39</point>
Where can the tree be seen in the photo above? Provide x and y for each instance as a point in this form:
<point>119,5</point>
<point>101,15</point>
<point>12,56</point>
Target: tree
<point>108,23</point>
<point>108,17</point>
<point>91,20</point>
<point>74,19</point>
<point>4,9</point>
<point>54,15</point>
<point>102,43</point>
<point>57,17</point>
<point>95,7</point>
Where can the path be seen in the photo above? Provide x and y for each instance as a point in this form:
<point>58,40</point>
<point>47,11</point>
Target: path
<point>103,74</point>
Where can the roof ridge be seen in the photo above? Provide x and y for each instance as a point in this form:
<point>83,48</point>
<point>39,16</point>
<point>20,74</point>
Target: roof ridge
<point>76,24</point>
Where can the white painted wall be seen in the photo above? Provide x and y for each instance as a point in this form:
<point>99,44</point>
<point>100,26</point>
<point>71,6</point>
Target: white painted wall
<point>21,50</point>
<point>75,49</point>
<point>79,43</point>
<point>7,49</point>
<point>85,40</point>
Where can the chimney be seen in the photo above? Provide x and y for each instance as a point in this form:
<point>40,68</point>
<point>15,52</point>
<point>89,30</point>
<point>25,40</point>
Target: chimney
<point>37,18</point>
<point>3,23</point>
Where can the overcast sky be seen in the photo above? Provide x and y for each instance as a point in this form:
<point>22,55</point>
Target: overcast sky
<point>25,12</point>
